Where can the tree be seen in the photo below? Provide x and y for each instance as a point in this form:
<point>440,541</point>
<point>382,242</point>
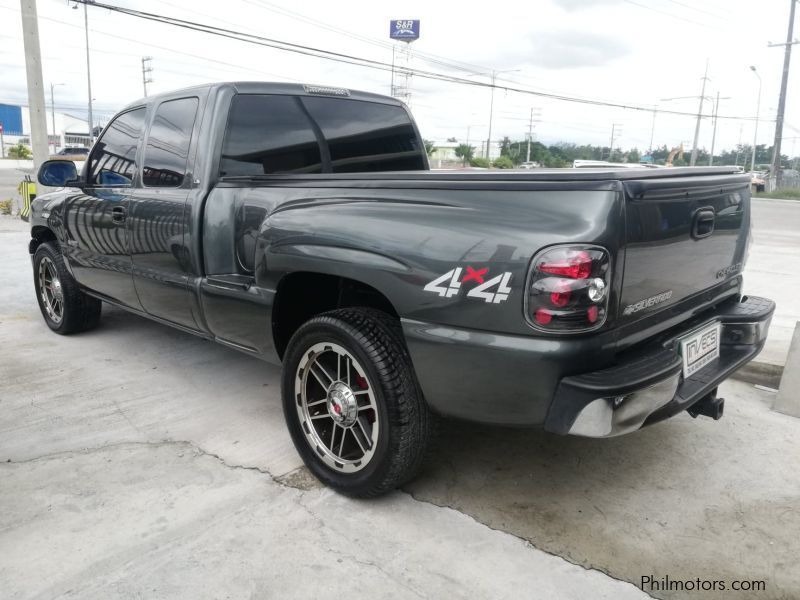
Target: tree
<point>505,147</point>
<point>430,147</point>
<point>452,140</point>
<point>465,152</point>
<point>20,152</point>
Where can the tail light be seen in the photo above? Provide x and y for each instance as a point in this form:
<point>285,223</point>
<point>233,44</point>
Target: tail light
<point>568,288</point>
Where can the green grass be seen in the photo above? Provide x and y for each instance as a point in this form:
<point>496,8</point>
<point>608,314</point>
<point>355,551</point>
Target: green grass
<point>790,194</point>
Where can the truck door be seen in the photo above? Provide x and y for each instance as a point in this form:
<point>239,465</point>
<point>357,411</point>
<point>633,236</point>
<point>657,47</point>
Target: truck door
<point>159,217</point>
<point>95,220</point>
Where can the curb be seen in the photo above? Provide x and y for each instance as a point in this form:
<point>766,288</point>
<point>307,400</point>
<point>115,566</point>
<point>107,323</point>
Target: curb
<point>760,373</point>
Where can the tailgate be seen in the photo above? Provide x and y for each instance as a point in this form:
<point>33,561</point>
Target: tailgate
<point>683,236</point>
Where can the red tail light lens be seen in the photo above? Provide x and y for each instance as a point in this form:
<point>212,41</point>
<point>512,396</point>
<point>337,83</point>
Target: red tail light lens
<point>568,288</point>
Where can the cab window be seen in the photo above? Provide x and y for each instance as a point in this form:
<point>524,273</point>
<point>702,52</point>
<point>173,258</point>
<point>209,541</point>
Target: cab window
<point>167,149</point>
<point>112,162</point>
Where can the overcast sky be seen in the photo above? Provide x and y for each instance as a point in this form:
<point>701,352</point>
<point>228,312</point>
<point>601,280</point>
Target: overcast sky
<point>635,52</point>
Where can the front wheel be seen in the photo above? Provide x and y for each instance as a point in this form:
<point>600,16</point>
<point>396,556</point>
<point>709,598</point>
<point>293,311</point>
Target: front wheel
<point>352,402</point>
<point>65,308</point>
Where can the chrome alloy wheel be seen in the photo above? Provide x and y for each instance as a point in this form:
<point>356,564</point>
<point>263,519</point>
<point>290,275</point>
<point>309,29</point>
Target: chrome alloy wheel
<point>336,406</point>
<point>50,290</point>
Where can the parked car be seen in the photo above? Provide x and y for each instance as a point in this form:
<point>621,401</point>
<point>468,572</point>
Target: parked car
<point>300,224</point>
<point>72,153</point>
<point>529,165</point>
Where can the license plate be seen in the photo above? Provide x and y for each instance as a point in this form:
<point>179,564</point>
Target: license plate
<point>698,349</point>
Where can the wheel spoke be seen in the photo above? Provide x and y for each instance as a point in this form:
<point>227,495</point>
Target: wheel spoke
<point>358,441</point>
<point>325,385</point>
<point>324,415</point>
<point>341,444</point>
<point>317,402</point>
<point>360,392</point>
<point>333,436</point>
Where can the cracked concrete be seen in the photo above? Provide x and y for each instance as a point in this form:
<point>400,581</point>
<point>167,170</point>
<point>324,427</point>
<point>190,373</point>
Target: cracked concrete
<point>168,520</point>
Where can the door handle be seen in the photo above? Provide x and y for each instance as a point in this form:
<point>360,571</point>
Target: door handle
<point>118,214</point>
<point>703,223</point>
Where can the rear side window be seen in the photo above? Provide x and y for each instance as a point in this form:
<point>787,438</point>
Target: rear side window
<point>366,136</point>
<point>112,160</point>
<point>269,134</point>
<point>167,149</point>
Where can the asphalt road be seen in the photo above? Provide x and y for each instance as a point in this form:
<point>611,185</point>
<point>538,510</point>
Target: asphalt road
<point>139,461</point>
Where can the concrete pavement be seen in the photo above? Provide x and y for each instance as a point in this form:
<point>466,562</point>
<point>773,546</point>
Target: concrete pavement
<point>140,462</point>
<point>145,462</point>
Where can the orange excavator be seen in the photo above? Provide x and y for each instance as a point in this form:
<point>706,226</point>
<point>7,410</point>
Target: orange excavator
<point>675,151</point>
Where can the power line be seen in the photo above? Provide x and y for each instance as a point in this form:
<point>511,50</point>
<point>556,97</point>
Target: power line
<point>365,62</point>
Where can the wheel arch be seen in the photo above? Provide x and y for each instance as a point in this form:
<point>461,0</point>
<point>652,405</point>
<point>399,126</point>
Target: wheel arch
<point>39,235</point>
<point>301,295</point>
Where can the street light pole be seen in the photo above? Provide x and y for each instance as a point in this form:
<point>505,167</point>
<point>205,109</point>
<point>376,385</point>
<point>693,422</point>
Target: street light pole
<point>53,112</point>
<point>758,111</point>
<point>491,108</point>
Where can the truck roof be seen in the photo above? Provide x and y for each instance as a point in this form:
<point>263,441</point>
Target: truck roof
<point>272,87</point>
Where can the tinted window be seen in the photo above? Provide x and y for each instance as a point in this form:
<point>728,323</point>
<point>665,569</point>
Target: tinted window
<point>112,159</point>
<point>269,134</point>
<point>167,146</point>
<point>366,136</point>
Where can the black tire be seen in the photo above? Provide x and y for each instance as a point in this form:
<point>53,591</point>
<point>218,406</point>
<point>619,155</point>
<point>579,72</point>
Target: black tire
<point>406,425</point>
<point>79,312</point>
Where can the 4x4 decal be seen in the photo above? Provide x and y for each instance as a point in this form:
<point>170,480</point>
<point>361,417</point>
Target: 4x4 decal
<point>494,291</point>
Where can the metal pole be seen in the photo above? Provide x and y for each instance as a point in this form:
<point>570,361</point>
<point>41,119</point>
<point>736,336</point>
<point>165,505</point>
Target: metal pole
<point>33,69</point>
<point>776,148</point>
<point>491,115</point>
<point>2,143</point>
<point>758,111</point>
<point>611,145</point>
<point>653,127</point>
<point>53,113</point>
<point>88,73</point>
<point>714,135</point>
<point>699,116</point>
<point>530,135</point>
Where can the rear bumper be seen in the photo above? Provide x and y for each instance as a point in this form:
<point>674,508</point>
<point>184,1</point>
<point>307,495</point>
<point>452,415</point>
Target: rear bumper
<point>551,382</point>
<point>649,386</point>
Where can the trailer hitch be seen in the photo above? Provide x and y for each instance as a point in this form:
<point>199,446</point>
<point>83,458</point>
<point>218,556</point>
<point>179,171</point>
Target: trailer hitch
<point>708,406</point>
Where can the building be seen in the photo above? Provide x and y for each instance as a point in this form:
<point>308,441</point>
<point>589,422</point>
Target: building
<point>69,129</point>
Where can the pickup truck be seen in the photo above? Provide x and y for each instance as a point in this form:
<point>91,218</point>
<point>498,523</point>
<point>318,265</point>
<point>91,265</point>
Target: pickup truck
<point>300,224</point>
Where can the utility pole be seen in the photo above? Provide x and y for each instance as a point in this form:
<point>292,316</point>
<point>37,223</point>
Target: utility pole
<point>146,70</point>
<point>491,115</point>
<point>758,112</point>
<point>699,116</point>
<point>616,129</point>
<point>33,70</point>
<point>653,127</point>
<point>714,135</point>
<point>787,56</point>
<point>530,133</point>
<point>88,67</point>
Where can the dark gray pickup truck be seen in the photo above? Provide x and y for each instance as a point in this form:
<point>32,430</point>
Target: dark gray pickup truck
<point>300,224</point>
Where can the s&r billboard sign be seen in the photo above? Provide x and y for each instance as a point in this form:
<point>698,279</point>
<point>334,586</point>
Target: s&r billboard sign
<point>407,29</point>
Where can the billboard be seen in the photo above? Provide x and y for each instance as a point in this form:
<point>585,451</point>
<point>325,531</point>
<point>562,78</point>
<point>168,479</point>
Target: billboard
<point>404,29</point>
<point>11,118</point>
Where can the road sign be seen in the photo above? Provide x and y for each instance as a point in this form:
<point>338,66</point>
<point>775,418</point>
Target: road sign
<point>404,29</point>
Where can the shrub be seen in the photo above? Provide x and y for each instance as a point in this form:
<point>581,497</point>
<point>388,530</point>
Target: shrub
<point>503,162</point>
<point>20,152</point>
<point>479,162</point>
<point>5,207</point>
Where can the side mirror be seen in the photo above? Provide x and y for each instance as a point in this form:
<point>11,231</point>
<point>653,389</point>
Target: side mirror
<point>57,173</point>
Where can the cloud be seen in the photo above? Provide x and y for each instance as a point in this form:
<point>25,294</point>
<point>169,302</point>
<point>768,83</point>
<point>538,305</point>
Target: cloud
<point>566,49</point>
<point>572,5</point>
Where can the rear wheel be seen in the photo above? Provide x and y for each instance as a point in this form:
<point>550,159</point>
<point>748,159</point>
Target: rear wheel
<point>65,308</point>
<point>352,403</point>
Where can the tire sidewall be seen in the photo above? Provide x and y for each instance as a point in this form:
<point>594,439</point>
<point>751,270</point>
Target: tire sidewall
<point>45,250</point>
<point>330,329</point>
